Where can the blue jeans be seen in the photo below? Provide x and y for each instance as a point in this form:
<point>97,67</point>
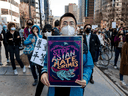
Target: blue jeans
<point>117,52</point>
<point>33,69</point>
<point>121,77</point>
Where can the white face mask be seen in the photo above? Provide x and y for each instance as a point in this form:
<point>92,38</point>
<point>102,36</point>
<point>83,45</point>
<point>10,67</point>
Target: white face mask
<point>68,31</point>
<point>48,34</point>
<point>13,28</point>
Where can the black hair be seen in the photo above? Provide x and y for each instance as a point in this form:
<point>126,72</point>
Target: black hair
<point>47,27</point>
<point>33,28</point>
<point>57,23</point>
<point>22,27</point>
<point>68,15</point>
<point>87,25</point>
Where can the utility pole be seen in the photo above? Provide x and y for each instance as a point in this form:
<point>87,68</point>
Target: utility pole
<point>30,9</point>
<point>40,15</point>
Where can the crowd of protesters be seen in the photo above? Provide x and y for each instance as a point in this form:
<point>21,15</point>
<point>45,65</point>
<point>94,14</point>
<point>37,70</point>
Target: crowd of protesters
<point>93,39</point>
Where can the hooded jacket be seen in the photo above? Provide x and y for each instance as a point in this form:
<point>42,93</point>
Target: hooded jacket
<point>30,37</point>
<point>87,71</point>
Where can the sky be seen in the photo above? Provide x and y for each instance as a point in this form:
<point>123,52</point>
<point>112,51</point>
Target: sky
<point>58,6</point>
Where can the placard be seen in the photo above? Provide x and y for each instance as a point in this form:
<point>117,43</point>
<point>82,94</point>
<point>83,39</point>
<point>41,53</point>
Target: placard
<point>39,52</point>
<point>113,24</point>
<point>94,26</point>
<point>65,61</point>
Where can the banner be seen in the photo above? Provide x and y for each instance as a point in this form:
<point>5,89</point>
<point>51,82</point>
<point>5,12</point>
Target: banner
<point>39,52</point>
<point>65,61</point>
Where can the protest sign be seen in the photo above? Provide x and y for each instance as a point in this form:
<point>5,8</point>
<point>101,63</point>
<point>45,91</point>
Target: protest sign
<point>94,26</point>
<point>113,24</point>
<point>39,52</point>
<point>65,61</point>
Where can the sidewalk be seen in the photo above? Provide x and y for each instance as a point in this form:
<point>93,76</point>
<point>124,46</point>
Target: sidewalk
<point>21,85</point>
<point>113,74</point>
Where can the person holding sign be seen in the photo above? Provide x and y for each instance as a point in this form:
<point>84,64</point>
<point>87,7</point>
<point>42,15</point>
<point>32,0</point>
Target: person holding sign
<point>118,40</point>
<point>68,26</point>
<point>31,40</point>
<point>47,31</point>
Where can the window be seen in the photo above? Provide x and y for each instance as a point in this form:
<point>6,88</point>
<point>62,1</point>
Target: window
<point>14,2</point>
<point>3,0</point>
<point>4,11</point>
<point>117,4</point>
<point>13,13</point>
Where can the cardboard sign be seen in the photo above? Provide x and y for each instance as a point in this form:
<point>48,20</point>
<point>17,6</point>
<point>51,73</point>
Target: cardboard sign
<point>39,52</point>
<point>65,61</point>
<point>113,24</point>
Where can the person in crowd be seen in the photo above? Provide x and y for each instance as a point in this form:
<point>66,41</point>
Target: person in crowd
<point>22,37</point>
<point>107,32</point>
<point>0,49</point>
<point>106,36</point>
<point>4,31</point>
<point>68,26</point>
<point>27,30</point>
<point>92,42</point>
<point>124,60</point>
<point>32,38</point>
<point>47,31</point>
<point>118,40</point>
<point>114,33</point>
<point>56,28</point>
<point>13,40</point>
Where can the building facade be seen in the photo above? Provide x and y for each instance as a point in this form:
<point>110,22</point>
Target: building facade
<point>35,4</point>
<point>86,11</point>
<point>72,8</point>
<point>9,10</point>
<point>112,11</point>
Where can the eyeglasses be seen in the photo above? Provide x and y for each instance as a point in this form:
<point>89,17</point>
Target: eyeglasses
<point>66,23</point>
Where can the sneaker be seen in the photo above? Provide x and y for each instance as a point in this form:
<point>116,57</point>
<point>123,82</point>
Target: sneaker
<point>123,83</point>
<point>15,72</point>
<point>8,61</point>
<point>35,83</point>
<point>92,81</point>
<point>115,67</point>
<point>29,67</point>
<point>24,69</point>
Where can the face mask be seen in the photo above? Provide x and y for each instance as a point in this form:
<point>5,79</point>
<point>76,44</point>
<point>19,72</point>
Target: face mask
<point>68,31</point>
<point>29,24</point>
<point>48,34</point>
<point>13,28</point>
<point>88,30</point>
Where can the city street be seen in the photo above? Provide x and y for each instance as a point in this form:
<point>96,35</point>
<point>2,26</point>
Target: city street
<point>23,82</point>
<point>71,35</point>
<point>21,85</point>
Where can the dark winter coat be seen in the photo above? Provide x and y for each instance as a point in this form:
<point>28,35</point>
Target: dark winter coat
<point>16,41</point>
<point>124,60</point>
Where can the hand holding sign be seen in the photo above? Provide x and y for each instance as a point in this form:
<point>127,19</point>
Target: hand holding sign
<point>44,79</point>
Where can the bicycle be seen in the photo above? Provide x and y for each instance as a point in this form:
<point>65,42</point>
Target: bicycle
<point>103,57</point>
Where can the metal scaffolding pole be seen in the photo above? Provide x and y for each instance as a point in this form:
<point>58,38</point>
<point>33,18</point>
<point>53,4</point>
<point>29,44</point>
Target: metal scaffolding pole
<point>40,15</point>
